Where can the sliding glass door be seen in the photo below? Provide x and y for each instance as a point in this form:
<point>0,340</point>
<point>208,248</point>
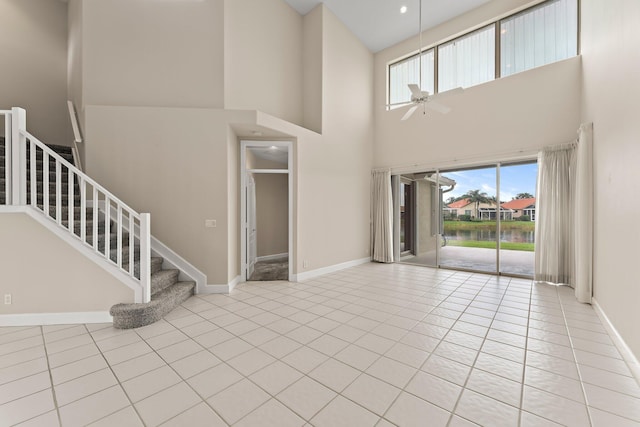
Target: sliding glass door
<point>477,219</point>
<point>517,231</point>
<point>469,231</point>
<point>419,219</point>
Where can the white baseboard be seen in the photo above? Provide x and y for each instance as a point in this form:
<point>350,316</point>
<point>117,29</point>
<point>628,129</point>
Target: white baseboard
<point>219,289</point>
<point>234,282</point>
<point>270,257</point>
<point>623,348</point>
<point>300,277</point>
<point>34,319</point>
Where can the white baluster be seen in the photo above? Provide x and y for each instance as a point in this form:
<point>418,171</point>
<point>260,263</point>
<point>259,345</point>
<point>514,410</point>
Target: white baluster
<point>132,227</point>
<point>34,173</point>
<point>119,244</point>
<point>107,227</point>
<point>18,156</point>
<point>71,196</point>
<point>95,218</point>
<point>145,256</point>
<point>58,192</point>
<point>83,210</point>
<point>45,181</point>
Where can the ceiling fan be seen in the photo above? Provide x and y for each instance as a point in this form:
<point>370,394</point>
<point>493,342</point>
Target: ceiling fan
<point>421,97</point>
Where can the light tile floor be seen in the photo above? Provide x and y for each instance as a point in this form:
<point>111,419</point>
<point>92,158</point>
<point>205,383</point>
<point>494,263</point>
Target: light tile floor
<point>372,345</point>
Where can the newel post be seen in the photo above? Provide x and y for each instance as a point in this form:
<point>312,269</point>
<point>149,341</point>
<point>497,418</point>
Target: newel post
<point>18,156</point>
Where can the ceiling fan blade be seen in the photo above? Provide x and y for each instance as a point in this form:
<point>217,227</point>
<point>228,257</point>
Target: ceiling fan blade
<point>410,112</point>
<point>415,90</point>
<point>436,106</point>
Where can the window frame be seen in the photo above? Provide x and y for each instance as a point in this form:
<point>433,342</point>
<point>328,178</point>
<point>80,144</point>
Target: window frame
<point>407,58</point>
<point>498,59</point>
<point>462,36</point>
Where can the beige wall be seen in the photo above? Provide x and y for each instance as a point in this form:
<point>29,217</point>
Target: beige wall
<point>133,152</point>
<point>611,66</point>
<point>33,73</point>
<point>334,173</point>
<point>272,213</point>
<point>263,58</point>
<point>182,164</point>
<point>312,69</point>
<point>153,53</point>
<point>233,206</point>
<point>64,280</point>
<point>74,56</point>
<point>525,111</point>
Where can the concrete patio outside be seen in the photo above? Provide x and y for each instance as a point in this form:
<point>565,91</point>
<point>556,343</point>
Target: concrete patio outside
<point>478,259</point>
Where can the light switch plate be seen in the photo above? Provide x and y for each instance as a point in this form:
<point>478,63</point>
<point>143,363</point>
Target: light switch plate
<point>210,223</point>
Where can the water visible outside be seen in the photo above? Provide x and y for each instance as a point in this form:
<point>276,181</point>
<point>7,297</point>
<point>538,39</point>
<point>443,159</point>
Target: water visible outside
<point>519,236</point>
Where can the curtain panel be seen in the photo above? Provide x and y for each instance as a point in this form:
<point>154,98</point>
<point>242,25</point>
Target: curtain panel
<point>564,217</point>
<point>381,217</point>
<point>554,255</point>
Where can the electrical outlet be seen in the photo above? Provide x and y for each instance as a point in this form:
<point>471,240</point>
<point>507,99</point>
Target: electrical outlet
<point>7,299</point>
<point>210,223</point>
<point>305,264</point>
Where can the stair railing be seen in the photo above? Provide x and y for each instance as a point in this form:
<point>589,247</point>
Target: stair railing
<point>91,200</point>
<point>6,114</point>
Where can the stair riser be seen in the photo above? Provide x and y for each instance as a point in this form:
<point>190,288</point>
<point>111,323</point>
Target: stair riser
<point>127,316</point>
<point>163,280</point>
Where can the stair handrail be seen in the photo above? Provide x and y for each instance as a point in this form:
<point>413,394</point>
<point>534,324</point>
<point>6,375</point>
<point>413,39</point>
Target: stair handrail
<point>138,224</point>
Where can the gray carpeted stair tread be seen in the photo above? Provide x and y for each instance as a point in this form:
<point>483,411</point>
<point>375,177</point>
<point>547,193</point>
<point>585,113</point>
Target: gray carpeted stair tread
<point>163,279</point>
<point>126,316</point>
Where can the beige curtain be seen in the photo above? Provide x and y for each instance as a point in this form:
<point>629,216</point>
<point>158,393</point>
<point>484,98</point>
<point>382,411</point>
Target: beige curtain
<point>554,255</point>
<point>564,215</point>
<point>381,216</point>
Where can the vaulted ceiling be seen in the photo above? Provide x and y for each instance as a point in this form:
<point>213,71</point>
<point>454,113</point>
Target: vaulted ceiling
<point>380,24</point>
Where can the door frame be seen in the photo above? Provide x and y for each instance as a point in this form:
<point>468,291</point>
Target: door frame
<point>396,176</point>
<point>244,145</point>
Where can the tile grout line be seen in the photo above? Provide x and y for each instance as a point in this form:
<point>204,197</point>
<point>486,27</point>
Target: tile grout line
<point>183,380</point>
<point>464,386</point>
<point>53,390</point>
<point>526,347</point>
<point>307,374</point>
<point>430,353</point>
<point>575,359</point>
<point>118,383</point>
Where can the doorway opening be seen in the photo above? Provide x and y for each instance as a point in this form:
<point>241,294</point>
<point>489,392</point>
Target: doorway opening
<point>475,219</point>
<point>266,210</point>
